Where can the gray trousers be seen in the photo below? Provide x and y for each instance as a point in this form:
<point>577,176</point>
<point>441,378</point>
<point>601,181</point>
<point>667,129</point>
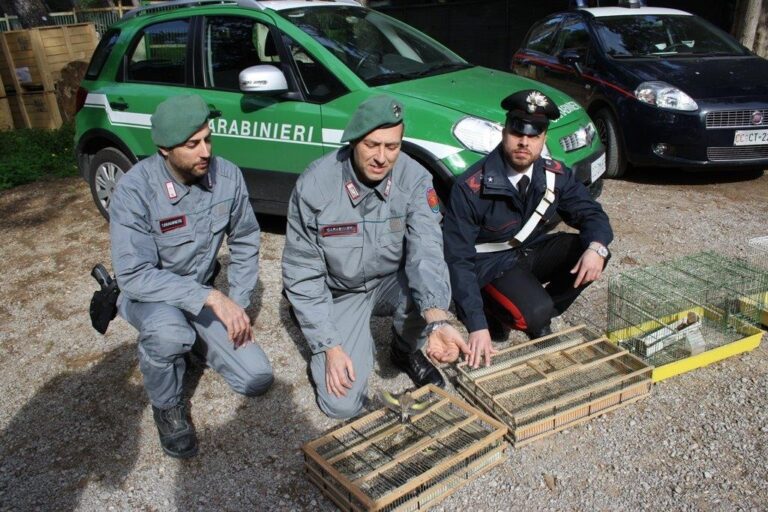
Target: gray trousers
<point>167,333</point>
<point>352,318</point>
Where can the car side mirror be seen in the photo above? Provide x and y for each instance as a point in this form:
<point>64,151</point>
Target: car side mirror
<point>264,78</point>
<point>570,58</point>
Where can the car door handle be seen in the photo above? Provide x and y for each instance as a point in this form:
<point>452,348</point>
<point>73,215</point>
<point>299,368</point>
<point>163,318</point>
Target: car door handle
<point>118,105</point>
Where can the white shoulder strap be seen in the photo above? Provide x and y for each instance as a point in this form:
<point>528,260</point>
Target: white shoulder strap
<point>529,226</point>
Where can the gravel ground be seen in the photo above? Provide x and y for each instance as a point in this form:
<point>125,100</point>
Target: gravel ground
<point>77,431</point>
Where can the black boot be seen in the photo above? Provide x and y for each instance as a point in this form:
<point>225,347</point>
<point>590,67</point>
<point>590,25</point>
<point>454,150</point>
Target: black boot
<point>177,436</point>
<point>539,333</point>
<point>498,330</point>
<point>417,366</point>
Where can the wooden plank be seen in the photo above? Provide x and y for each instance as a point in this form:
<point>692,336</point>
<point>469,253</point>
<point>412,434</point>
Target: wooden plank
<point>376,415</point>
<point>326,487</point>
<point>521,443</point>
<point>42,65</point>
<point>40,109</point>
<point>6,118</point>
<point>464,368</point>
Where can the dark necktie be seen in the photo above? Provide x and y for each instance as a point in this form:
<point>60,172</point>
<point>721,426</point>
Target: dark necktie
<point>522,186</point>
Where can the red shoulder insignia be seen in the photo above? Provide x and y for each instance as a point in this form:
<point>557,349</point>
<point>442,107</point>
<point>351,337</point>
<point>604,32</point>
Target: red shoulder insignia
<point>553,166</point>
<point>474,181</point>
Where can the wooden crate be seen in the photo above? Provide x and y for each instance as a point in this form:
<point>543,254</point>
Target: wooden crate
<point>6,118</point>
<point>32,60</point>
<point>552,383</point>
<point>35,110</point>
<point>378,462</point>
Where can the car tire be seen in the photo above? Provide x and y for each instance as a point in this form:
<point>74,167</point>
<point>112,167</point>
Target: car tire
<point>615,163</point>
<point>107,167</point>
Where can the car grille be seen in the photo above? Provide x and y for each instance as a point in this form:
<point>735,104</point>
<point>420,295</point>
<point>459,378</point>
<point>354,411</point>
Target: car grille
<point>737,153</point>
<point>736,118</point>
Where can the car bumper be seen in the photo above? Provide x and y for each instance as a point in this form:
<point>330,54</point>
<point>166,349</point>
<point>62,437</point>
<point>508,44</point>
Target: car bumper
<point>589,171</point>
<point>655,137</point>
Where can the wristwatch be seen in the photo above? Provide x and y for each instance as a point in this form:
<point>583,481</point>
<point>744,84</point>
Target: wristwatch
<point>433,326</point>
<point>600,249</point>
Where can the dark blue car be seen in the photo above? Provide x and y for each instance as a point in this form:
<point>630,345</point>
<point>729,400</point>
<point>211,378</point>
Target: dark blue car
<point>664,87</point>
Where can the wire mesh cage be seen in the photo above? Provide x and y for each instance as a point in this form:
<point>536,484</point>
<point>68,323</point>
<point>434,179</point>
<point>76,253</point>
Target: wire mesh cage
<point>380,462</point>
<point>551,383</point>
<point>757,258</point>
<point>686,308</point>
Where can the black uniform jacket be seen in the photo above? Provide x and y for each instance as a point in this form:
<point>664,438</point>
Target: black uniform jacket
<point>485,207</point>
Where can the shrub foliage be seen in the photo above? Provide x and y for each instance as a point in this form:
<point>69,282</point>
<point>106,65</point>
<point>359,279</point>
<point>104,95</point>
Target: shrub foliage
<point>30,154</point>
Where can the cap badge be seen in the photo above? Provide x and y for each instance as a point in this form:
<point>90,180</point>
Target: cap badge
<point>535,99</point>
<point>397,110</point>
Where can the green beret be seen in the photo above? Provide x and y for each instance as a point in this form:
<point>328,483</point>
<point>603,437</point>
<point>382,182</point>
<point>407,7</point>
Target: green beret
<point>178,118</point>
<point>376,112</point>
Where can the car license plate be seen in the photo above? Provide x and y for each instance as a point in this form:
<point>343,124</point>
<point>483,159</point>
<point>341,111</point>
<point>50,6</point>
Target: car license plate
<point>750,137</point>
<point>598,168</point>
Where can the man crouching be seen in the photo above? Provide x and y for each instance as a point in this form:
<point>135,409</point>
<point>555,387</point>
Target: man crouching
<point>364,238</point>
<point>168,219</point>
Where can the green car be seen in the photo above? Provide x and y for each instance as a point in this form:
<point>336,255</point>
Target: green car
<point>283,78</point>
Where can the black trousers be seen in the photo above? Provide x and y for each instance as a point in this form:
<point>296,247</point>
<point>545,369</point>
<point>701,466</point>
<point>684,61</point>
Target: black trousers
<point>539,287</point>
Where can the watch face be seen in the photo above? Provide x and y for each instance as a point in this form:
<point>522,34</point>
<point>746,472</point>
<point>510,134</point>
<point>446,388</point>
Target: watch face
<point>603,251</point>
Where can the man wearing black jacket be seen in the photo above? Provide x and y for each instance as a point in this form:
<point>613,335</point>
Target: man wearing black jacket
<point>501,260</point>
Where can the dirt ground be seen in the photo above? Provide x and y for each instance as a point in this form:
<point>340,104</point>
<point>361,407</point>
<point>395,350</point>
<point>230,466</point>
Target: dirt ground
<point>76,431</point>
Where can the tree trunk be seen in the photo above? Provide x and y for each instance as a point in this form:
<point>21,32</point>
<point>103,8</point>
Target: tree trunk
<point>31,13</point>
<point>749,25</point>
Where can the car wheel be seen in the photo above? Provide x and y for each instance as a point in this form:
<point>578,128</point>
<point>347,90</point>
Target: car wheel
<point>615,164</point>
<point>107,167</point>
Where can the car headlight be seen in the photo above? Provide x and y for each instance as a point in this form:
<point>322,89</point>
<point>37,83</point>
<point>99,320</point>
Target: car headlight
<point>581,138</point>
<point>664,95</point>
<point>478,134</point>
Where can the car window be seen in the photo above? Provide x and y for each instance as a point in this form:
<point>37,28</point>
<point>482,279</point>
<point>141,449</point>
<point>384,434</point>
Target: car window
<point>377,48</point>
<point>660,35</point>
<point>101,53</point>
<point>542,36</point>
<point>319,85</point>
<point>159,54</point>
<point>233,43</point>
<point>574,36</point>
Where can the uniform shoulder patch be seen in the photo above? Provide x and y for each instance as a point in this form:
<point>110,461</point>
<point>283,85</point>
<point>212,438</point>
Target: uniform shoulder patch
<point>432,200</point>
<point>554,166</point>
<point>474,181</point>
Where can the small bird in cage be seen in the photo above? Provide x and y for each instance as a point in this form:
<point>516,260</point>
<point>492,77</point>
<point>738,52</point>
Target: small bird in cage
<point>404,405</point>
<point>690,319</point>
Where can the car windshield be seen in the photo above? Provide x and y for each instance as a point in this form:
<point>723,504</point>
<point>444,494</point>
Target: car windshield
<point>377,48</point>
<point>663,36</point>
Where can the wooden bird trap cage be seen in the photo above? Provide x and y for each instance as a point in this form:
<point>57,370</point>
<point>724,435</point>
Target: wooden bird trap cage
<point>545,385</point>
<point>685,314</point>
<point>380,462</point>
